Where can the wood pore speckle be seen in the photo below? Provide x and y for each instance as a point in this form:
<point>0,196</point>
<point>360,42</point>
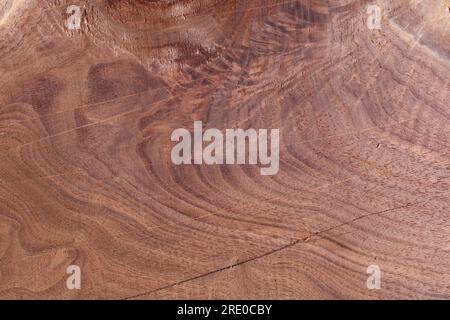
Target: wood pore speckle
<point>86,177</point>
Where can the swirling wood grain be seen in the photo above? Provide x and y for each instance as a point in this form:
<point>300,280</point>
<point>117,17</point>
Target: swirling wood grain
<point>86,176</point>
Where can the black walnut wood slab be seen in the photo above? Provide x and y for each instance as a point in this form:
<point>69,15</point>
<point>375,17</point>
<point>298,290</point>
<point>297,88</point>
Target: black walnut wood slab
<point>86,176</point>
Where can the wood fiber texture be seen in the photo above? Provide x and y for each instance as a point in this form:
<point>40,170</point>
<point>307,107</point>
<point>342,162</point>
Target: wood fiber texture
<point>86,176</point>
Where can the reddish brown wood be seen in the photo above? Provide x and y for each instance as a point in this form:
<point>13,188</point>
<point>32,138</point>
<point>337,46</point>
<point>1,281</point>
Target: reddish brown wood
<point>86,176</point>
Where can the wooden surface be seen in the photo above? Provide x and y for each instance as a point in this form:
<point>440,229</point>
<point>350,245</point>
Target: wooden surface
<point>85,171</point>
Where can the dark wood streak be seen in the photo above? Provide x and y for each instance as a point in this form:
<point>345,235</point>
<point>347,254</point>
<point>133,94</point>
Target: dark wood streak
<point>86,176</point>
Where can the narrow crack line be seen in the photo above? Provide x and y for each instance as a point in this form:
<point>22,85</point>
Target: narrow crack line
<point>76,169</point>
<point>88,105</point>
<point>293,243</point>
<point>276,250</point>
<point>318,234</point>
<point>23,146</point>
<point>83,106</point>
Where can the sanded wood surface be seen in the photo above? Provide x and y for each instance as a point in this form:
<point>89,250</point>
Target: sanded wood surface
<point>86,176</point>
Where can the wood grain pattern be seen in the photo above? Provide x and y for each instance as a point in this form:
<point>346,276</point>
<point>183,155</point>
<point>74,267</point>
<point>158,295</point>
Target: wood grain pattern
<point>86,176</point>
